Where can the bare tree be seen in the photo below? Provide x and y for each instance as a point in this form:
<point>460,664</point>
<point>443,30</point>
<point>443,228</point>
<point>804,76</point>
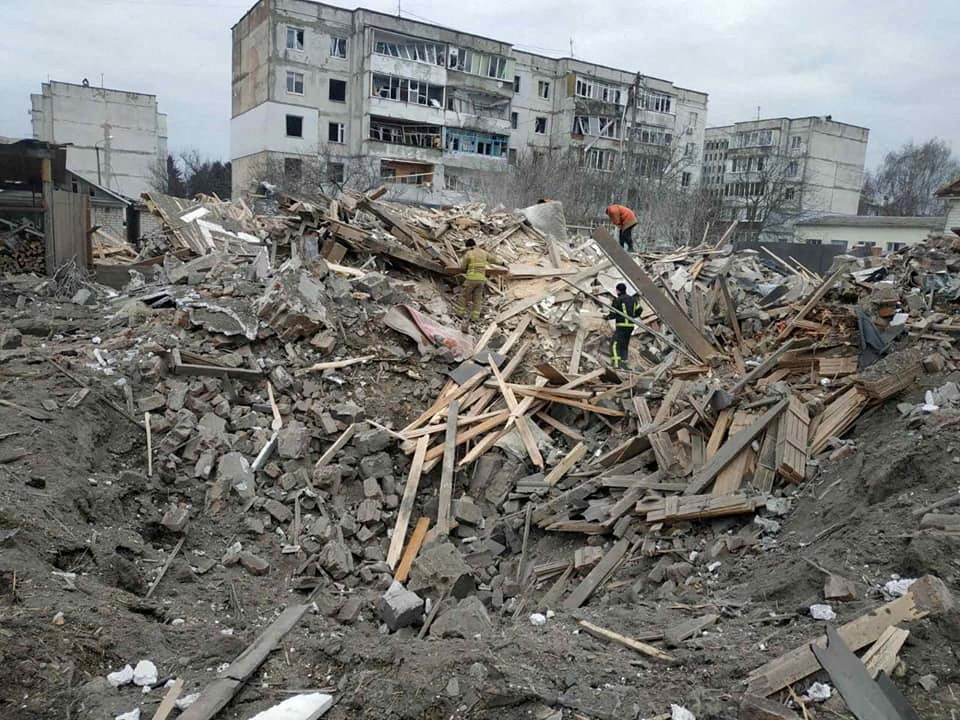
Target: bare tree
<point>319,172</point>
<point>907,178</point>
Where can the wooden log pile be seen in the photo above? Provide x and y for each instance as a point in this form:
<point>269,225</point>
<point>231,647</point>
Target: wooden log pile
<point>22,249</point>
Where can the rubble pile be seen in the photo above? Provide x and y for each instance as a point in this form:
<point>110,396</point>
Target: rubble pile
<point>312,415</point>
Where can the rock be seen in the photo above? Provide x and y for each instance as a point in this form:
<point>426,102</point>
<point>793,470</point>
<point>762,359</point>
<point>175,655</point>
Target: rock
<point>538,619</point>
<point>83,296</point>
<point>348,412</point>
<point>928,682</point>
<point>465,510</point>
<point>371,441</point>
<point>175,518</point>
<point>369,512</point>
<point>821,611</point>
<point>234,470</point>
<point>377,465</point>
<point>371,488</point>
<point>121,677</point>
<point>336,559</point>
<point>837,587</point>
<point>294,438</point>
<point>280,512</point>
<point>453,688</point>
<point>254,564</point>
<point>440,565</point>
<point>466,620</point>
<point>400,607</point>
<point>934,363</point>
<point>10,339</point>
<point>351,610</point>
<point>145,673</point>
<point>678,712</point>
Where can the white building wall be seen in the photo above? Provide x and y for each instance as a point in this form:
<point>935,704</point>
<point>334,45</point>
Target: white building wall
<point>953,214</point>
<point>885,238</point>
<point>124,128</point>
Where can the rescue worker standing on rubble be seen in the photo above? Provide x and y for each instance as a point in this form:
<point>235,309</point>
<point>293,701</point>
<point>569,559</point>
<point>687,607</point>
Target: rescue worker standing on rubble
<point>475,263</point>
<point>625,308</point>
<point>625,219</point>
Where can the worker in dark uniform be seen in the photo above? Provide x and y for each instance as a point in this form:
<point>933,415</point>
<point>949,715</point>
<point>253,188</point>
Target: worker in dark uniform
<point>625,220</point>
<point>626,307</point>
<point>474,263</point>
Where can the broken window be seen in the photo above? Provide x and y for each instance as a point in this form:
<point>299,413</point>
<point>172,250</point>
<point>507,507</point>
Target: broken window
<point>685,179</point>
<point>338,47</point>
<point>689,149</point>
<point>581,125</point>
<point>401,133</point>
<point>584,88</point>
<point>512,156</point>
<point>789,193</point>
<point>514,120</point>
<point>335,132</point>
<point>294,83</point>
<point>657,102</point>
<point>338,90</point>
<point>478,143</point>
<point>389,87</point>
<point>540,126</point>
<point>692,119</point>
<point>609,128</point>
<point>543,89</point>
<point>295,38</point>
<point>650,135</point>
<point>292,169</point>
<point>795,141</point>
<point>516,83</point>
<point>335,172</point>
<point>295,126</point>
<point>793,168</point>
<point>602,160</point>
<point>408,48</point>
<point>477,63</point>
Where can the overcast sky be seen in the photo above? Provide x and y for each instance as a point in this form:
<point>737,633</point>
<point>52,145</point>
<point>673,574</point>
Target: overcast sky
<point>886,64</point>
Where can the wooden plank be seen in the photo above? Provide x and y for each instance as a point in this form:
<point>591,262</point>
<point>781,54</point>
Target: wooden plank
<point>338,444</point>
<point>719,432</point>
<point>488,442</point>
<point>836,418</point>
<point>217,371</point>
<point>217,694</point>
<point>688,628</point>
<point>520,420</point>
<point>882,655</point>
<point>766,472</point>
<point>595,577</point>
<point>729,479</point>
<point>413,547</point>
<point>443,401</point>
<point>573,495</point>
<point>794,433</point>
<point>817,296</point>
<point>730,309</point>
<point>834,367</point>
<point>667,311</point>
<point>565,465</point>
<point>545,394</point>
<point>928,595</point>
<point>169,700</point>
<point>166,566</point>
<point>447,470</point>
<point>406,504</point>
<point>764,367</point>
<point>557,425</point>
<point>574,367</point>
<point>696,507</point>
<point>731,448</point>
<point>627,642</point>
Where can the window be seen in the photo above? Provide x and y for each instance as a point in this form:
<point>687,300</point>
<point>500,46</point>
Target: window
<point>335,172</point>
<point>894,246</point>
<point>399,46</point>
<point>839,243</point>
<point>514,120</point>
<point>338,90</point>
<point>795,141</point>
<point>543,89</point>
<point>516,83</point>
<point>755,138</point>
<point>602,160</point>
<point>335,132</point>
<point>793,168</point>
<point>401,133</point>
<point>512,156</point>
<point>540,126</point>
<point>692,119</point>
<point>685,179</point>
<point>610,128</point>
<point>477,143</point>
<point>294,126</point>
<point>292,169</point>
<point>651,166</point>
<point>477,63</point>
<point>689,149</point>
<point>581,125</point>
<point>584,88</point>
<point>789,193</point>
<point>389,87</point>
<point>294,83</point>
<point>294,38</point>
<point>657,102</point>
<point>650,135</point>
<point>338,47</point>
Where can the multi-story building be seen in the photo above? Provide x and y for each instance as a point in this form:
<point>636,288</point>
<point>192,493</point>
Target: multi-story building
<point>358,92</point>
<point>770,173</point>
<point>116,138</point>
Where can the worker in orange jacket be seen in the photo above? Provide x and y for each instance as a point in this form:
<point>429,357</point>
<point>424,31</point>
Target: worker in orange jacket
<point>625,219</point>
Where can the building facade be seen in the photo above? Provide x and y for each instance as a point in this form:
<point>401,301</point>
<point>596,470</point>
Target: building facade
<point>888,234</point>
<point>768,174</point>
<point>357,93</point>
<point>116,137</point>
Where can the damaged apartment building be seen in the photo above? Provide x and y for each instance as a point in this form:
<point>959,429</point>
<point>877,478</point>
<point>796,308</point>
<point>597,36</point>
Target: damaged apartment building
<point>358,96</point>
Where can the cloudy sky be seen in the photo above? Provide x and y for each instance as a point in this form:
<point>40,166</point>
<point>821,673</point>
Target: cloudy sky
<point>886,64</point>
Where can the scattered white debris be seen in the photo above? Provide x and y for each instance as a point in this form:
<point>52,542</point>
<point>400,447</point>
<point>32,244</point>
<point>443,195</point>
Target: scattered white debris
<point>300,707</point>
<point>898,587</point>
<point>177,621</point>
<point>227,631</point>
<point>59,619</point>
<point>121,677</point>
<point>132,715</point>
<point>538,619</point>
<point>678,712</point>
<point>550,614</point>
<point>186,701</point>
<point>818,692</point>
<point>714,566</point>
<point>145,673</point>
<point>821,611</point>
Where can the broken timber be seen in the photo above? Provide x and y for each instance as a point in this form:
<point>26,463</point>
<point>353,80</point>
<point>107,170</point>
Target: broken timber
<point>406,504</point>
<point>627,642</point>
<point>595,578</point>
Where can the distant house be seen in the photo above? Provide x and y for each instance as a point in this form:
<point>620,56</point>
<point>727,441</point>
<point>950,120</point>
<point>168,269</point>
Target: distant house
<point>108,209</point>
<point>850,231</point>
<point>951,195</point>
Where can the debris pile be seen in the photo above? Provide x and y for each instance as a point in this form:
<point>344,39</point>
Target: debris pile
<point>308,418</point>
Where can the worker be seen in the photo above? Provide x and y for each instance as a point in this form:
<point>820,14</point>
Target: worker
<point>474,263</point>
<point>625,219</point>
<point>625,308</point>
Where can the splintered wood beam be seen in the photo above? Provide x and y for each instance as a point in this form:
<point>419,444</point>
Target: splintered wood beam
<point>447,470</point>
<point>565,465</point>
<point>627,642</point>
<point>406,504</point>
<point>413,547</point>
<point>520,420</point>
<point>817,296</point>
<point>608,563</point>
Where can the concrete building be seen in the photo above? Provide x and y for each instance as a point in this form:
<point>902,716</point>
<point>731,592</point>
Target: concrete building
<point>115,137</point>
<point>870,231</point>
<point>770,173</point>
<point>358,94</point>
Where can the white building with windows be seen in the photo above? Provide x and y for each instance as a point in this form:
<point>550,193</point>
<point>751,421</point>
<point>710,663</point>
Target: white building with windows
<point>772,173</point>
<point>434,109</point>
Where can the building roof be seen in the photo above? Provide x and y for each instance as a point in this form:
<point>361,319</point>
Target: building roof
<point>875,221</point>
<point>951,189</point>
<point>105,190</point>
<point>789,119</point>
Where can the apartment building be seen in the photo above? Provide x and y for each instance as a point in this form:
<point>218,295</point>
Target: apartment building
<point>358,93</point>
<point>771,173</point>
<point>115,137</point>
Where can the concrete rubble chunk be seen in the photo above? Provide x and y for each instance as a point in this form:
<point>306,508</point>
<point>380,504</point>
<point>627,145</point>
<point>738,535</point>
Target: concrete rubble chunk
<point>347,412</point>
<point>121,677</point>
<point>293,304</point>
<point>465,510</point>
<point>307,706</point>
<point>467,619</point>
<point>280,512</point>
<point>254,564</point>
<point>377,286</point>
<point>548,218</point>
<point>400,607</point>
<point>368,512</point>
<point>371,441</point>
<point>213,428</point>
<point>294,438</point>
<point>440,565</point>
<point>378,465</point>
<point>350,612</point>
<point>336,559</point>
<point>371,488</point>
<point>175,518</point>
<point>234,469</point>
<point>83,296</point>
<point>10,339</point>
<point>145,673</point>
